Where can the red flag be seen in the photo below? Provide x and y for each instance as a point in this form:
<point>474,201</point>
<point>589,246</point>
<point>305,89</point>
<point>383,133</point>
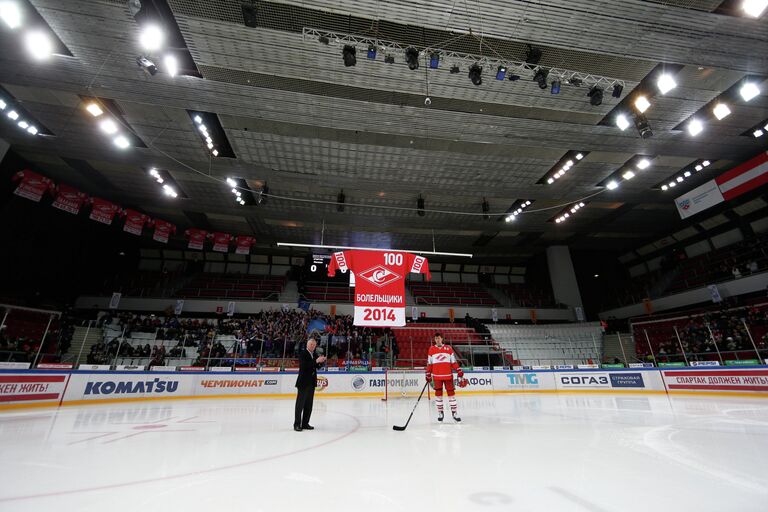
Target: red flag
<point>134,221</point>
<point>244,244</point>
<point>221,241</point>
<point>69,199</point>
<point>196,238</point>
<point>745,177</point>
<point>103,211</point>
<point>33,186</point>
<point>163,230</point>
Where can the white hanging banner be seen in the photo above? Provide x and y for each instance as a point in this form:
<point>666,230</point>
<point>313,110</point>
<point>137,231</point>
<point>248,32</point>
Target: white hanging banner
<point>115,300</point>
<point>714,293</point>
<point>495,315</point>
<point>179,306</point>
<point>230,309</point>
<point>699,199</point>
<point>414,313</point>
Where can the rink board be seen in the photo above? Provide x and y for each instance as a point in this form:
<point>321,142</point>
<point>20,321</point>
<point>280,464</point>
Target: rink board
<point>30,388</point>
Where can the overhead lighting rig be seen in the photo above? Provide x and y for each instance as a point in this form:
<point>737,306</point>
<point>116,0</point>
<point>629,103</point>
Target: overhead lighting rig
<point>513,69</point>
<point>166,182</point>
<point>13,112</point>
<point>627,171</point>
<point>107,116</point>
<point>40,41</point>
<point>685,173</point>
<point>564,165</point>
<point>568,212</point>
<point>517,209</point>
<point>211,133</point>
<point>241,192</point>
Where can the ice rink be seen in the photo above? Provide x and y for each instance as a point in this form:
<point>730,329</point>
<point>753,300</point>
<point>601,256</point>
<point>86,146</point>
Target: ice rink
<point>512,452</point>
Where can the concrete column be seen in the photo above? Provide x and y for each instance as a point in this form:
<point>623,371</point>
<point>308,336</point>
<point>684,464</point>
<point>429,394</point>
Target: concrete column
<point>564,284</point>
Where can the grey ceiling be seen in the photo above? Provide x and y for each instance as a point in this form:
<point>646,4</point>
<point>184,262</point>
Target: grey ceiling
<point>298,119</point>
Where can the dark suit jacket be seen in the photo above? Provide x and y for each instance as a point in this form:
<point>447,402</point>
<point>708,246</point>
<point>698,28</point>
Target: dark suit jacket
<point>307,370</point>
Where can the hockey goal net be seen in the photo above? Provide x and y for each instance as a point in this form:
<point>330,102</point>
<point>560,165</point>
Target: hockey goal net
<point>402,383</point>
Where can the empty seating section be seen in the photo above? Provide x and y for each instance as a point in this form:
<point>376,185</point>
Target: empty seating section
<point>329,291</point>
<point>550,344</point>
<point>528,296</point>
<point>414,340</point>
<point>233,286</point>
<point>465,294</point>
<point>30,325</point>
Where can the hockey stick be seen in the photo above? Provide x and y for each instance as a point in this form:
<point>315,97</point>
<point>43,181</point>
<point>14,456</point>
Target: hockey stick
<point>400,429</point>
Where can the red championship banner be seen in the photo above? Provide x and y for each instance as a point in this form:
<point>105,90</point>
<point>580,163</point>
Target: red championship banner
<point>163,230</point>
<point>32,185</point>
<point>69,199</point>
<point>221,241</point>
<point>196,238</point>
<point>103,211</point>
<point>244,244</point>
<point>134,221</point>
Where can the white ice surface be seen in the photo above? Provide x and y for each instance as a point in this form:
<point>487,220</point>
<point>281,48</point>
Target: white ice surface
<point>593,453</point>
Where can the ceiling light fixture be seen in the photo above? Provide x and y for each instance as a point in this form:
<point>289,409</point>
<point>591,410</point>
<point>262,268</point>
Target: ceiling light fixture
<point>754,8</point>
<point>622,122</point>
<point>171,65</point>
<point>476,74</point>
<point>121,142</point>
<point>665,83</point>
<point>611,185</point>
<point>628,175</point>
<point>501,73</point>
<point>39,44</point>
<point>540,77</point>
<point>152,38</point>
<point>642,104</point>
<point>412,58</point>
<point>643,164</point>
<point>94,109</point>
<point>721,111</point>
<point>108,126</point>
<point>695,127</point>
<point>349,54</point>
<point>749,90</point>
<point>595,96</point>
<point>10,14</point>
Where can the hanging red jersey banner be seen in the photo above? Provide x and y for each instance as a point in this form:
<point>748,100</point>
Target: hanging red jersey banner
<point>32,186</point>
<point>221,241</point>
<point>379,283</point>
<point>69,199</point>
<point>243,244</point>
<point>103,211</point>
<point>196,238</point>
<point>163,230</point>
<point>134,221</point>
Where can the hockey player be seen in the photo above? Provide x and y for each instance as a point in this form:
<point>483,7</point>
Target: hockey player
<point>441,362</point>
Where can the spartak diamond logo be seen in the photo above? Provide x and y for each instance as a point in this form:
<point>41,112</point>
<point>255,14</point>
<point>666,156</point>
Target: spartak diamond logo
<point>378,275</point>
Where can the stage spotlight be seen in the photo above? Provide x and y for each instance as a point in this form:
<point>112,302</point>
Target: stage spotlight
<point>434,60</point>
<point>617,90</point>
<point>121,142</point>
<point>540,77</point>
<point>151,38</point>
<point>501,73</point>
<point>340,199</point>
<point>643,164</point>
<point>628,175</point>
<point>324,40</point>
<point>555,87</point>
<point>371,52</point>
<point>749,90</point>
<point>171,65</point>
<point>389,59</point>
<point>533,55</point>
<point>349,54</point>
<point>39,44</point>
<point>721,111</point>
<point>754,8</point>
<point>455,69</point>
<point>108,126</point>
<point>147,65</point>
<point>622,122</point>
<point>695,127</point>
<point>412,58</point>
<point>595,96</point>
<point>10,14</point>
<point>642,104</point>
<point>576,82</point>
<point>643,126</point>
<point>486,208</point>
<point>13,115</point>
<point>666,83</point>
<point>475,74</point>
<point>612,185</point>
<point>513,77</point>
<point>420,206</point>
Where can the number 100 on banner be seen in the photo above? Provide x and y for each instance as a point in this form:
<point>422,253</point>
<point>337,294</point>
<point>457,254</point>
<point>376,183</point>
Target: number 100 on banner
<point>379,316</point>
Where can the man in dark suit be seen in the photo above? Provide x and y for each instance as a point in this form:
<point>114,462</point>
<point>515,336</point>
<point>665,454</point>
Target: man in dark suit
<point>305,384</point>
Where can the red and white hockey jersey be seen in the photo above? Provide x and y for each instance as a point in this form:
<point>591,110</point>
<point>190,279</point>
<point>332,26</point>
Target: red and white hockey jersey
<point>196,238</point>
<point>163,230</point>
<point>134,221</point>
<point>244,244</point>
<point>441,361</point>
<point>221,241</point>
<point>69,199</point>
<point>103,211</point>
<point>33,186</point>
<point>379,283</point>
